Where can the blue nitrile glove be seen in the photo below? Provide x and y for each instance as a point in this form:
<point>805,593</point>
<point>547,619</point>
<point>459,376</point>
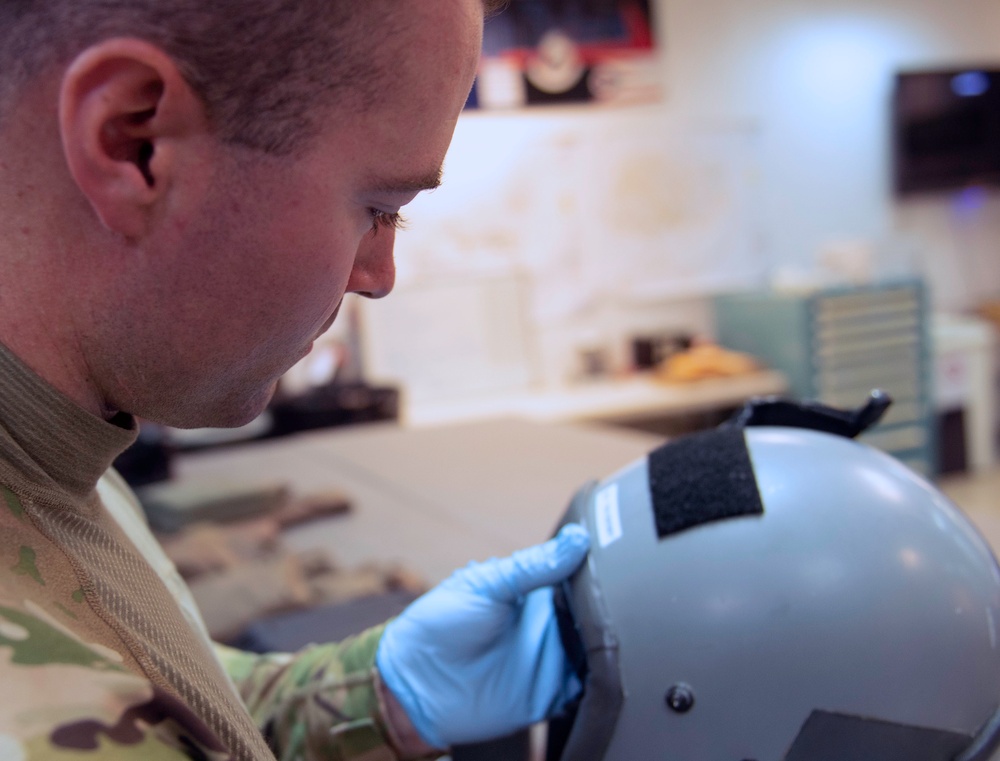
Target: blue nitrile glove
<point>479,656</point>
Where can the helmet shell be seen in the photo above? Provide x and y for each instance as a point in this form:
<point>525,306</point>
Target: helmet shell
<point>858,614</point>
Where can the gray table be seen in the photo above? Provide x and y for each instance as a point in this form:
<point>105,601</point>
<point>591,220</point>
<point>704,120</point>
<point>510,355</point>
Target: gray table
<point>431,498</point>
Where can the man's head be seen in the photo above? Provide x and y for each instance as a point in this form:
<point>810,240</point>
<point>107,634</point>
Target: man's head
<point>191,188</point>
<point>262,67</point>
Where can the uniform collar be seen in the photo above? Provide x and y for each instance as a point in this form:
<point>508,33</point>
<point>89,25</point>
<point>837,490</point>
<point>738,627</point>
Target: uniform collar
<point>49,438</point>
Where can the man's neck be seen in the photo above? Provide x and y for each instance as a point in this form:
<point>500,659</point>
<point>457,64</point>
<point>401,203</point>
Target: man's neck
<point>53,358</point>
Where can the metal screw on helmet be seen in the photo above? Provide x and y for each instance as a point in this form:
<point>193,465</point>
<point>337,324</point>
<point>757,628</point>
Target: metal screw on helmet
<point>680,698</point>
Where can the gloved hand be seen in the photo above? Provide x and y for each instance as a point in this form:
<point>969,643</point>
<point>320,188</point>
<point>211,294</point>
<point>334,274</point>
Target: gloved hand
<point>479,656</point>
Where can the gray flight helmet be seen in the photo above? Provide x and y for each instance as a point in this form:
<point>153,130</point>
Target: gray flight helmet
<point>773,590</point>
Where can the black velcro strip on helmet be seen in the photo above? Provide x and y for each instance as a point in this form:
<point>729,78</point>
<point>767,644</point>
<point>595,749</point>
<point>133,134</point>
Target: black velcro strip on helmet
<point>830,736</point>
<point>700,478</point>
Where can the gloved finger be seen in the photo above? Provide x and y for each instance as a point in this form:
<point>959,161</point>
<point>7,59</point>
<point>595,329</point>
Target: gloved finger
<point>507,579</point>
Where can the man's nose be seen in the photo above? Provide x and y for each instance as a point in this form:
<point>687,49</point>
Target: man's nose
<point>374,271</point>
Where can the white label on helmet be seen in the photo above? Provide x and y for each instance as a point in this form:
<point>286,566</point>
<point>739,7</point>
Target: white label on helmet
<point>607,516</point>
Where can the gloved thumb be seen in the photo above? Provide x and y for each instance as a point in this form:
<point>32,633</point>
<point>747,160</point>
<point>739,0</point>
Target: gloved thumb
<point>507,579</point>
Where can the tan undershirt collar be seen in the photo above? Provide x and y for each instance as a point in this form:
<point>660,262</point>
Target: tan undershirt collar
<point>51,437</point>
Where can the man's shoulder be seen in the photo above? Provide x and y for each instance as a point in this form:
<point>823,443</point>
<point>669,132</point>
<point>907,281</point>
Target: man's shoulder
<point>64,695</point>
<point>38,579</point>
<point>67,687</point>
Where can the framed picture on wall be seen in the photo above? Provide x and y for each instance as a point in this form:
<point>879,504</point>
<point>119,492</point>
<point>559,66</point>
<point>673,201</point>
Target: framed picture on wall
<point>544,52</point>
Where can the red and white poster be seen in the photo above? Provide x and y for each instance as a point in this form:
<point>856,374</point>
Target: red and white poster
<point>544,52</point>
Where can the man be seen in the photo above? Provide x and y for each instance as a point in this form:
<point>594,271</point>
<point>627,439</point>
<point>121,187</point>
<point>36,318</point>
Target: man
<point>187,190</point>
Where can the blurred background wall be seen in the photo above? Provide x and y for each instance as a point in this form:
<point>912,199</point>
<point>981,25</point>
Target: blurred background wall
<point>561,231</point>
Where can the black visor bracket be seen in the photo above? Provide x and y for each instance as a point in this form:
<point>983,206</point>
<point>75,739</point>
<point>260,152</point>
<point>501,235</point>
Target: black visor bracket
<point>773,410</point>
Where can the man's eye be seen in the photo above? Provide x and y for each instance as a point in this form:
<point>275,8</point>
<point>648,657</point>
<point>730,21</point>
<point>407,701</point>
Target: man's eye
<point>383,220</point>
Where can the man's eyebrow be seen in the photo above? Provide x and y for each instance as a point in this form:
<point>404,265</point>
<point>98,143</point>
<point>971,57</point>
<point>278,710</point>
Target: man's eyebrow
<point>407,184</point>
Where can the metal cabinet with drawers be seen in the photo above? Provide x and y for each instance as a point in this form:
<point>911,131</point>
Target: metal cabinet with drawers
<point>837,344</point>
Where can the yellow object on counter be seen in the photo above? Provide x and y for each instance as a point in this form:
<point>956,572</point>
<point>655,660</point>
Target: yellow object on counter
<point>705,361</point>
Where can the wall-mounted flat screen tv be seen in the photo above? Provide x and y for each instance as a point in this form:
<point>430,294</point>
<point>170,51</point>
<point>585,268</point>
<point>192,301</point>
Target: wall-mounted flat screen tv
<point>946,129</point>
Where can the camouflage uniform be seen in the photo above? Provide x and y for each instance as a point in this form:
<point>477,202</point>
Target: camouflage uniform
<point>102,652</point>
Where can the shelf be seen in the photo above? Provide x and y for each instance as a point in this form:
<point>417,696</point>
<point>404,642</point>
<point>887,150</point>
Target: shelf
<point>631,398</point>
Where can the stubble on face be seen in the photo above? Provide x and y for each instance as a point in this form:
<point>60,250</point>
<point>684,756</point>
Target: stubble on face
<point>246,278</point>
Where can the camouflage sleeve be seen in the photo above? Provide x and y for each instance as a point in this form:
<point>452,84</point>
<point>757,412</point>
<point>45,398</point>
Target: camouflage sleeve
<point>64,699</point>
<point>319,703</point>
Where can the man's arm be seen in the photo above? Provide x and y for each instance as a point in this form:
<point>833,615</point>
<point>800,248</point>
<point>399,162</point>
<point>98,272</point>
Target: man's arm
<point>477,657</point>
<point>325,702</point>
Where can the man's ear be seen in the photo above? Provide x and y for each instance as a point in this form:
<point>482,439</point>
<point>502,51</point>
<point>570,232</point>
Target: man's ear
<point>124,113</point>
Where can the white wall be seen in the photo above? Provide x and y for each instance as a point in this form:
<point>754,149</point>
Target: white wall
<point>816,76</point>
<point>605,222</point>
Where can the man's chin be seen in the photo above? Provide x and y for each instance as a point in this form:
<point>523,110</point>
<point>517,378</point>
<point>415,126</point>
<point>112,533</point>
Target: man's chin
<point>232,411</point>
